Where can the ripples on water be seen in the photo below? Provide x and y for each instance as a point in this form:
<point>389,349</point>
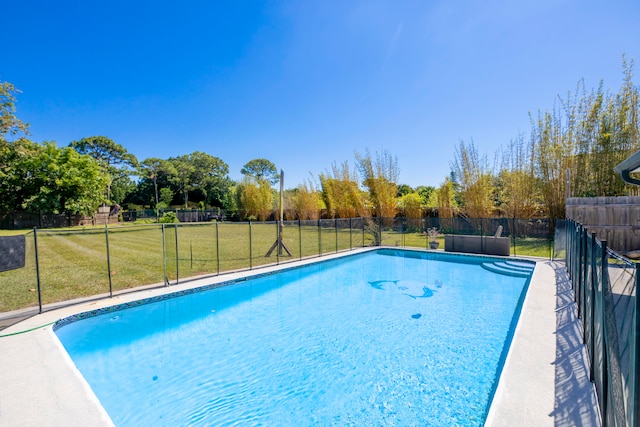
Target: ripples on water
<point>367,340</point>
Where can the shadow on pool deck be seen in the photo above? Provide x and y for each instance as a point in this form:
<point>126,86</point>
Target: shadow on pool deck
<point>575,398</point>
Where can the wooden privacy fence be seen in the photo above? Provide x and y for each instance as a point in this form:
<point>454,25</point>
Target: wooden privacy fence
<point>614,219</point>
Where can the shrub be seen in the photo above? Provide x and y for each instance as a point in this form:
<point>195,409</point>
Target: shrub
<point>168,218</point>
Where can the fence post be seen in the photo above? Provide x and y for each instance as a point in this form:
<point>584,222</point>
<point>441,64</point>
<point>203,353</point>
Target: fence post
<point>279,240</point>
<point>350,236</point>
<point>300,236</point>
<point>218,247</point>
<point>635,357</point>
<point>552,226</point>
<point>404,224</point>
<point>570,253</point>
<point>574,237</point>
<point>177,257</point>
<point>585,261</point>
<point>514,233</point>
<point>335,223</point>
<point>578,249</point>
<point>603,344</point>
<point>250,246</point>
<point>319,238</point>
<point>35,243</point>
<point>581,268</point>
<point>106,235</point>
<point>426,233</point>
<point>568,234</point>
<point>578,239</point>
<point>592,346</point>
<point>164,257</point>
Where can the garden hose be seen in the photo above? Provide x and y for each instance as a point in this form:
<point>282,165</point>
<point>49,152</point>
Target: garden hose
<point>28,330</point>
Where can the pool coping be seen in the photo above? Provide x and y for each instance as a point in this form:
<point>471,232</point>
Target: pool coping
<point>42,386</point>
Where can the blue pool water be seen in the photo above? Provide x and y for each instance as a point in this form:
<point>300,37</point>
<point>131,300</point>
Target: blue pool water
<point>389,337</point>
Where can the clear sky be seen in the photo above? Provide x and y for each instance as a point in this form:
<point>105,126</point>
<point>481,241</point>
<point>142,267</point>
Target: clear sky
<point>307,83</point>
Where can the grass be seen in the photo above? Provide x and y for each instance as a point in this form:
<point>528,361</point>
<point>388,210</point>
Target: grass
<point>73,262</point>
<point>522,246</point>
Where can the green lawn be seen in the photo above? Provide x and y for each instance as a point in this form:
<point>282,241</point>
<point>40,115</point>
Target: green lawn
<point>73,262</point>
<point>523,246</point>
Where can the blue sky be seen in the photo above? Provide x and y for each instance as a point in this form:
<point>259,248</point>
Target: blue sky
<point>306,84</point>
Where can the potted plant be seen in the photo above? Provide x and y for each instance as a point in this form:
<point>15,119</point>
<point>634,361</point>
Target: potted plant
<point>433,238</point>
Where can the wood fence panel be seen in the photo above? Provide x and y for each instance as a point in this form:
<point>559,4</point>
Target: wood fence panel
<point>614,219</point>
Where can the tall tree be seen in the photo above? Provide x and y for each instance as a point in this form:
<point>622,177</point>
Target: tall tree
<point>14,176</point>
<point>121,188</point>
<point>17,181</point>
<point>603,130</point>
<point>64,181</point>
<point>404,189</point>
<point>42,177</point>
<point>340,192</point>
<point>261,169</point>
<point>380,177</point>
<point>411,205</point>
<point>113,157</point>
<point>516,190</point>
<point>182,179</point>
<point>211,176</point>
<point>554,161</point>
<point>425,192</point>
<point>307,201</point>
<point>254,199</point>
<point>446,199</point>
<point>166,196</point>
<point>475,181</point>
<point>578,144</point>
<point>230,203</point>
<point>201,172</point>
<point>9,123</point>
<point>412,209</point>
<point>158,171</point>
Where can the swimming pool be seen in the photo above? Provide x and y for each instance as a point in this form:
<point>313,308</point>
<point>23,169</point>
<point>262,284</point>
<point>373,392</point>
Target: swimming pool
<point>389,337</point>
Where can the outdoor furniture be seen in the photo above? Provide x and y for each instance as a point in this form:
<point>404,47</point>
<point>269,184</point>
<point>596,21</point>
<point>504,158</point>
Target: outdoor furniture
<point>489,245</point>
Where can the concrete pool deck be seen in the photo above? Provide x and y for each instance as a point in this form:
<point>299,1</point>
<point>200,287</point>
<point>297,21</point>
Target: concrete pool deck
<point>544,381</point>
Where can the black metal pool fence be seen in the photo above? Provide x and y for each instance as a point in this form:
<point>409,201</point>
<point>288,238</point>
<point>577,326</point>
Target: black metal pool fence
<point>604,285</point>
<point>60,266</point>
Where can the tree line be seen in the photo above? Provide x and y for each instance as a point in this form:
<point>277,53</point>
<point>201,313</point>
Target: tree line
<point>570,151</point>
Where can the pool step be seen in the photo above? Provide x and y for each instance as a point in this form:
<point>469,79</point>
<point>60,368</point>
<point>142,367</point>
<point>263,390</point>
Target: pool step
<point>522,264</point>
<point>509,268</point>
<point>515,265</point>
